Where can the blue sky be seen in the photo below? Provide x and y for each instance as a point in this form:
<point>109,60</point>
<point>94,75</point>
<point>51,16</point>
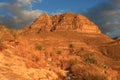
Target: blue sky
<point>56,6</point>
<point>104,13</point>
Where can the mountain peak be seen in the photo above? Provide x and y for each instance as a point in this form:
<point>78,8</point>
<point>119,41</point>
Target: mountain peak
<point>64,22</point>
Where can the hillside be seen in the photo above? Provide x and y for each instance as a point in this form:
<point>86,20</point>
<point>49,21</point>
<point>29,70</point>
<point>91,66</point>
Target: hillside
<point>59,47</point>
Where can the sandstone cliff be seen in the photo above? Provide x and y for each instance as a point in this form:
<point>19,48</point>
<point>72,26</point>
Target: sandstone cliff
<point>64,22</point>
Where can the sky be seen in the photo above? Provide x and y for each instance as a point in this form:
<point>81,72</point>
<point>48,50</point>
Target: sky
<point>104,13</point>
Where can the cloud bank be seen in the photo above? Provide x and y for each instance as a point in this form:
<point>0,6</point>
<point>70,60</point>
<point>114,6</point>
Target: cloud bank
<point>106,16</point>
<point>18,13</point>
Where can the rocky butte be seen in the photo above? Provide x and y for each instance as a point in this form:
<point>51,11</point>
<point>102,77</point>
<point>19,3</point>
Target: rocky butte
<point>65,22</point>
<point>59,47</point>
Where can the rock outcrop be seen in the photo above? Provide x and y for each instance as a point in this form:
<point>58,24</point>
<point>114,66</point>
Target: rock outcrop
<point>64,22</point>
<point>6,34</point>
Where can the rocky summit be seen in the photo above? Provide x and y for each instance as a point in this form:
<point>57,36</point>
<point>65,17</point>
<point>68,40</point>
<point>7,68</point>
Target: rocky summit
<point>65,22</point>
<point>60,47</point>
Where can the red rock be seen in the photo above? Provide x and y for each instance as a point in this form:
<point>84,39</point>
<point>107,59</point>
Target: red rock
<point>65,22</point>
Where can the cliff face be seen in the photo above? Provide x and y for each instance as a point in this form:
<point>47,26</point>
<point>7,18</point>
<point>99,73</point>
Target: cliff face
<point>65,22</point>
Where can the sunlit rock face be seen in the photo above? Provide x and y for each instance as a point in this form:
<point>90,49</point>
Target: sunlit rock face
<point>65,22</point>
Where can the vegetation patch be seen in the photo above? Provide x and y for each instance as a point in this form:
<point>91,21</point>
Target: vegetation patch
<point>90,59</point>
<point>71,46</point>
<point>39,47</point>
<point>59,52</point>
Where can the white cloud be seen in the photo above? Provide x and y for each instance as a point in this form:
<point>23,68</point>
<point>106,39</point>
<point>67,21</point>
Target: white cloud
<point>2,4</point>
<point>27,2</point>
<point>117,2</point>
<point>117,32</point>
<point>58,12</point>
<point>106,16</point>
<point>20,11</point>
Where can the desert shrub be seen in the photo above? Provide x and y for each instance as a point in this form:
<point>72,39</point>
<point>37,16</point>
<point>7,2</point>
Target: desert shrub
<point>75,60</point>
<point>38,47</point>
<point>89,59</point>
<point>71,46</point>
<point>59,52</point>
<point>83,72</point>
<point>71,50</point>
<point>35,58</point>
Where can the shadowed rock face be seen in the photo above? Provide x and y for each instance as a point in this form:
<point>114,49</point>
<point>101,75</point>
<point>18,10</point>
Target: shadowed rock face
<point>65,22</point>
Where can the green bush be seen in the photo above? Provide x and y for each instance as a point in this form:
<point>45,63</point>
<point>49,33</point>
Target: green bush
<point>35,58</point>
